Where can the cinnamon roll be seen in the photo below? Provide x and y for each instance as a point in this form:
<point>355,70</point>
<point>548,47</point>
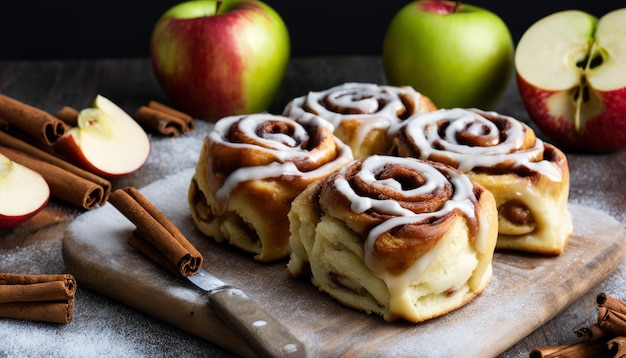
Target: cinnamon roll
<point>361,113</point>
<point>528,177</point>
<point>398,237</point>
<point>249,170</point>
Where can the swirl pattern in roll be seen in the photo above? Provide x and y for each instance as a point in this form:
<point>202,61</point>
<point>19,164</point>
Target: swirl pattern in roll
<point>528,177</point>
<point>399,237</point>
<point>361,113</point>
<point>250,169</point>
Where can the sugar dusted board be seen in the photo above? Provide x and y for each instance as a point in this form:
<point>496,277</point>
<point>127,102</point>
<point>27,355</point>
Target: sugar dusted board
<point>525,292</point>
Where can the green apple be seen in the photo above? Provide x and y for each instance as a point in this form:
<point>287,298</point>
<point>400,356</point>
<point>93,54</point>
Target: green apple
<point>220,58</point>
<point>457,54</point>
<point>23,193</point>
<point>571,74</point>
<point>106,141</point>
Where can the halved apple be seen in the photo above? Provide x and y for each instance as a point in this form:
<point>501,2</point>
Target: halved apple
<point>571,74</point>
<point>23,193</point>
<point>107,141</point>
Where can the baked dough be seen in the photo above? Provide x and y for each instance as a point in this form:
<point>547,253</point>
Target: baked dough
<point>398,237</point>
<point>360,113</point>
<point>249,170</point>
<point>528,177</point>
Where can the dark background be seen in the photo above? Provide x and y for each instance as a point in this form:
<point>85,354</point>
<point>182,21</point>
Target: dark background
<point>73,29</point>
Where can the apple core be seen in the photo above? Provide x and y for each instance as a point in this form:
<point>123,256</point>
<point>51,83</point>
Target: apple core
<point>571,74</point>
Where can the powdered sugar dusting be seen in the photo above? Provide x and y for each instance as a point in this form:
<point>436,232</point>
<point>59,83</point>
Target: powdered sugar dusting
<point>42,258</point>
<point>599,191</point>
<point>100,328</point>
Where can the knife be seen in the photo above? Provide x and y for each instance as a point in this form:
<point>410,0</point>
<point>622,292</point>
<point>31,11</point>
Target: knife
<point>266,336</point>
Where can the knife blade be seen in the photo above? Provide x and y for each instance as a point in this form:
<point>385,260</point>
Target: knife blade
<point>264,334</point>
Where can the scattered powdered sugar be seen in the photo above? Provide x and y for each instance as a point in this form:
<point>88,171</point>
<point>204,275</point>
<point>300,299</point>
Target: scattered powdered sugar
<point>597,182</point>
<point>35,259</point>
<point>100,328</point>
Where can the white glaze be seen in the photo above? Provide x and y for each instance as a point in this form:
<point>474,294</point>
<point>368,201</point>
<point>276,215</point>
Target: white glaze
<point>423,130</point>
<point>463,199</point>
<point>285,149</point>
<point>357,101</point>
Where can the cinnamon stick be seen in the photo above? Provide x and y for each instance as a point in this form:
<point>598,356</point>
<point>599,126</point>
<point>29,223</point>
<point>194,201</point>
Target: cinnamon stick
<point>143,245</point>
<point>174,112</point>
<point>69,115</point>
<point>591,349</point>
<point>617,346</point>
<point>164,119</point>
<point>605,338</point>
<point>591,332</point>
<point>63,184</point>
<point>53,312</point>
<point>47,298</point>
<point>607,301</point>
<point>545,351</point>
<point>35,122</point>
<point>9,141</point>
<point>612,321</point>
<point>156,236</point>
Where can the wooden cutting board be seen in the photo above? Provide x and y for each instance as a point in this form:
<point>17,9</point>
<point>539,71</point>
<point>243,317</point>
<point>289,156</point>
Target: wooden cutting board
<point>524,293</point>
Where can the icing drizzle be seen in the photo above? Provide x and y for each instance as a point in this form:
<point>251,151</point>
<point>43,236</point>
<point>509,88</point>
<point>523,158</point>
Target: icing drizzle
<point>286,149</point>
<point>474,138</point>
<point>435,179</point>
<point>374,106</point>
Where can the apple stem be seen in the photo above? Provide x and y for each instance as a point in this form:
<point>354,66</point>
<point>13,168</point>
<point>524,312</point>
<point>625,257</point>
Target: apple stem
<point>457,5</point>
<point>218,5</point>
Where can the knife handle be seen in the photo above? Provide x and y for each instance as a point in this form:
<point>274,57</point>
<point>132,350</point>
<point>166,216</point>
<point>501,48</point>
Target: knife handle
<point>265,335</point>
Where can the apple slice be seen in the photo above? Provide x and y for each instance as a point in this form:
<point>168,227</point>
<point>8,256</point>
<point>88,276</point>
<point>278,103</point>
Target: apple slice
<point>23,193</point>
<point>571,74</point>
<point>106,141</point>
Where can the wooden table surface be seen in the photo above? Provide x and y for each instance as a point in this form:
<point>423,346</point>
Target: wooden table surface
<point>104,327</point>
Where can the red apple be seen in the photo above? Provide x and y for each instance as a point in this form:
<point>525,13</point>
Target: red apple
<point>106,141</point>
<point>220,58</point>
<point>23,193</point>
<point>571,75</point>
